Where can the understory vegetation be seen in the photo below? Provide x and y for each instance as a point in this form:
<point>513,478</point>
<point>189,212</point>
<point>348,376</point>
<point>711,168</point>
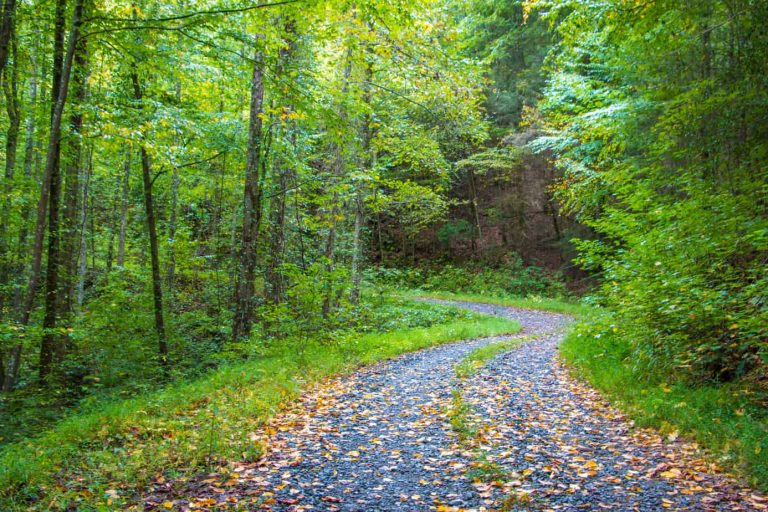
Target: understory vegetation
<point>512,278</point>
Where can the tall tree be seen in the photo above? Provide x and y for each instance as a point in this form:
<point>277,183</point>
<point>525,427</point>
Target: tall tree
<point>244,288</point>
<point>47,345</point>
<point>154,251</point>
<point>51,172</point>
<point>73,170</point>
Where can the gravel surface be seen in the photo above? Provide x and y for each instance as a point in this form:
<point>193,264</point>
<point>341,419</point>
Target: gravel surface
<point>380,440</point>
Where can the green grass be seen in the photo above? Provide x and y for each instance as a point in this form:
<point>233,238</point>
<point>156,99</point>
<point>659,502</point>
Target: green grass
<point>724,418</point>
<point>115,451</point>
<point>481,355</point>
<point>541,303</point>
<point>459,413</point>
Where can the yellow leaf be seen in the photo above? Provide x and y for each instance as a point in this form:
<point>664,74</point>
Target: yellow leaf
<point>672,473</point>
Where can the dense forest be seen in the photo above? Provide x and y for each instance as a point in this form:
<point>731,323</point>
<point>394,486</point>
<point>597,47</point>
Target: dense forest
<point>197,185</point>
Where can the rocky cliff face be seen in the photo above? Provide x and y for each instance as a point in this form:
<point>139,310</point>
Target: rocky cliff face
<point>507,206</point>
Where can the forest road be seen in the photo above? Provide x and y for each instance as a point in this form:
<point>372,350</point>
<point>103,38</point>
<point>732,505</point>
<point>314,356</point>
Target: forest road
<point>381,440</point>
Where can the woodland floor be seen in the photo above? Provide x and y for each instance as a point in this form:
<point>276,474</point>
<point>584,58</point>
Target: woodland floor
<point>535,439</point>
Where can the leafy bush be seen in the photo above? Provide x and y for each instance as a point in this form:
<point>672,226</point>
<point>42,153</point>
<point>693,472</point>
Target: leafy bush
<point>673,178</point>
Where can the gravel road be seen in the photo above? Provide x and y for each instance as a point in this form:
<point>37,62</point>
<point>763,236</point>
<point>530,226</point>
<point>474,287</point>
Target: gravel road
<point>381,440</point>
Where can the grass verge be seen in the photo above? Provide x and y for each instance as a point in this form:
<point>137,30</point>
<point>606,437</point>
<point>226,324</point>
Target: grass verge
<point>724,418</point>
<point>103,459</point>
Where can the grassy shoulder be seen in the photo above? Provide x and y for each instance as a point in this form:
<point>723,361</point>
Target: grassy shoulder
<point>724,418</point>
<point>100,460</point>
<point>532,302</point>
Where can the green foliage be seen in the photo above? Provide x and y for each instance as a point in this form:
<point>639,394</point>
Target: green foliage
<point>499,162</point>
<point>513,44</point>
<point>362,103</point>
<point>657,116</point>
<point>730,419</point>
<point>454,231</point>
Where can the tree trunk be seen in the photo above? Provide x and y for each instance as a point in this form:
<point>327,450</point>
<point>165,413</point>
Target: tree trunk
<point>125,187</point>
<point>244,289</point>
<point>47,345</point>
<point>172,225</point>
<point>171,266</point>
<point>52,160</point>
<point>83,266</point>
<point>6,31</point>
<point>366,134</point>
<point>274,275</point>
<point>12,136</point>
<point>475,209</point>
<point>357,254</point>
<point>149,209</point>
<point>29,159</point>
<point>14,355</point>
<point>10,88</point>
<point>73,168</point>
<point>338,171</point>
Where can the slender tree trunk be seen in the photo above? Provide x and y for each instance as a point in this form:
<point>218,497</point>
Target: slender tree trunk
<point>6,30</point>
<point>149,209</point>
<point>73,168</point>
<point>172,225</point>
<point>380,239</point>
<point>475,209</point>
<point>244,289</point>
<point>47,346</point>
<point>29,159</point>
<point>171,266</point>
<point>357,249</point>
<point>366,135</point>
<point>218,200</point>
<point>125,187</point>
<point>10,88</point>
<point>82,259</point>
<point>338,172</point>
<point>274,275</point>
<point>12,136</point>
<point>14,355</point>
<point>299,225</point>
<point>51,164</point>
